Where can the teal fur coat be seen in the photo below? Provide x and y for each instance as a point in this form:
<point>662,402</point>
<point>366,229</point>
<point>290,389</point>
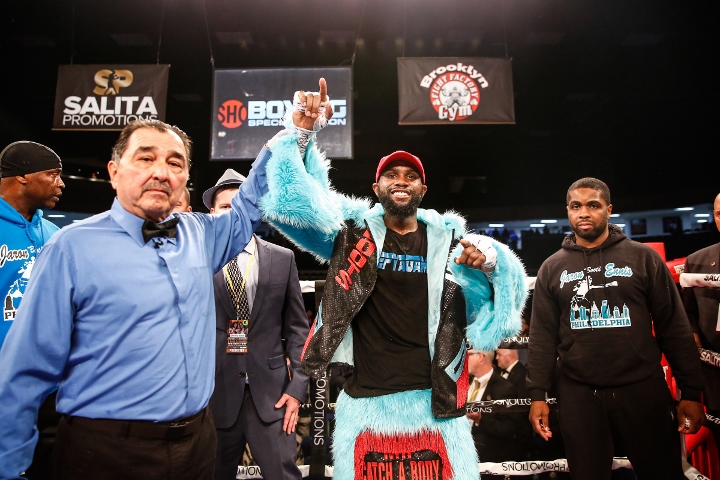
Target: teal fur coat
<point>304,207</point>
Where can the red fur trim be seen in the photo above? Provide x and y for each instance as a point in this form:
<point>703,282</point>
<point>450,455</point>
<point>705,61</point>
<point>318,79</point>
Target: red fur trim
<point>307,340</point>
<point>463,384</point>
<point>399,444</point>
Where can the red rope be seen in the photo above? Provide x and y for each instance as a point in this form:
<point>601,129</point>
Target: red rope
<point>463,384</point>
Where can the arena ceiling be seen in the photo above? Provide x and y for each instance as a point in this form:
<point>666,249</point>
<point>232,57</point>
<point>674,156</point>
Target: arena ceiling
<point>621,90</point>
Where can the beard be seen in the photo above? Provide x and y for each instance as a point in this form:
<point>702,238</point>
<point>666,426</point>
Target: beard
<point>590,235</point>
<point>400,212</point>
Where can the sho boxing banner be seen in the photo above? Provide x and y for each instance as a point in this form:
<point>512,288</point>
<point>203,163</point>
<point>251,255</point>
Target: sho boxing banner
<point>249,105</point>
<point>455,90</point>
<point>108,97</point>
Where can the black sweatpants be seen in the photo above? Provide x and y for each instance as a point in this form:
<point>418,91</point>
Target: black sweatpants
<point>639,419</point>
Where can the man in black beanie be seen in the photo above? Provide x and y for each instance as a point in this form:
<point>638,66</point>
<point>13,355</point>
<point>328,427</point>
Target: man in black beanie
<point>29,180</point>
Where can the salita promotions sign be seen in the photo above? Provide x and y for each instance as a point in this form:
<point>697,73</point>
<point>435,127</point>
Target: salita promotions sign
<point>249,105</point>
<point>108,97</point>
<point>455,90</point>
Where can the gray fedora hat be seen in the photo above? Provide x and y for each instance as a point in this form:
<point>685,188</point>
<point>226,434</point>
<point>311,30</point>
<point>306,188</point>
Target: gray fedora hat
<point>230,177</point>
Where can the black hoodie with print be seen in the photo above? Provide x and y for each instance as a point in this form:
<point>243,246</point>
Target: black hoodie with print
<point>593,315</point>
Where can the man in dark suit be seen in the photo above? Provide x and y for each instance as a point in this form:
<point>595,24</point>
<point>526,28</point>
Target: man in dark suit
<point>499,436</point>
<point>258,382</point>
<point>702,305</point>
<point>510,368</point>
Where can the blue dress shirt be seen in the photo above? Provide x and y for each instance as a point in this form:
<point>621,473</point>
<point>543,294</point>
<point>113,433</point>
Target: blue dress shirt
<point>126,330</point>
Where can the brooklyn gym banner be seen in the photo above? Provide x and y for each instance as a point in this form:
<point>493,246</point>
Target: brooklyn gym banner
<point>108,97</point>
<point>455,90</point>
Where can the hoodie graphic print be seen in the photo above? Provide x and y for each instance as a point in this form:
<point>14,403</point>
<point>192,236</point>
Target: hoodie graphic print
<point>584,309</point>
<point>20,243</point>
<point>605,315</point>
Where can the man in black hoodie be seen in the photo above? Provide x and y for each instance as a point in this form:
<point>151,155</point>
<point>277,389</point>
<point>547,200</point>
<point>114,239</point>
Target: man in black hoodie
<point>595,305</point>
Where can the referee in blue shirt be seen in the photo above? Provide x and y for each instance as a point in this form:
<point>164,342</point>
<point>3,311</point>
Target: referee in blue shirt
<point>119,313</point>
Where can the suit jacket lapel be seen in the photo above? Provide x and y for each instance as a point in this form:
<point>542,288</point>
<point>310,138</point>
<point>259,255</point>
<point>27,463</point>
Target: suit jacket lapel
<point>222,292</point>
<point>514,372</point>
<point>264,264</point>
<point>487,394</point>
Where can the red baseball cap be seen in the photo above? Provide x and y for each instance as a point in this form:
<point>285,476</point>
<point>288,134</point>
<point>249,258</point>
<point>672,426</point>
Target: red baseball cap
<point>398,156</point>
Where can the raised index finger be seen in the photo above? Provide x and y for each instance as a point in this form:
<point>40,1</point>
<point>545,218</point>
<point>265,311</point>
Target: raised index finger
<point>323,90</point>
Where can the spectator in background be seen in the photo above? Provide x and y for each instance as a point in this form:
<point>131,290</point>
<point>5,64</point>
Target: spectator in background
<point>513,240</point>
<point>183,204</point>
<point>500,436</point>
<point>505,236</point>
<point>703,309</point>
<point>29,180</point>
<point>258,382</point>
<point>510,368</point>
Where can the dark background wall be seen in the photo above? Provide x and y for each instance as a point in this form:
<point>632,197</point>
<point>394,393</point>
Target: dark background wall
<point>621,90</point>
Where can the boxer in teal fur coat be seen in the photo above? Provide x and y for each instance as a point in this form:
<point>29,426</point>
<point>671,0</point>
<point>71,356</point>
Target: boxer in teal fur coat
<point>406,287</point>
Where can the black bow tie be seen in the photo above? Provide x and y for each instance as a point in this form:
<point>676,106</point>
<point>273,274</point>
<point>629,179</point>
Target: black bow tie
<point>152,229</point>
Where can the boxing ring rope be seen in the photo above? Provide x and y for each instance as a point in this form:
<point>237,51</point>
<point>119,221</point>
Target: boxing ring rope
<point>502,468</point>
